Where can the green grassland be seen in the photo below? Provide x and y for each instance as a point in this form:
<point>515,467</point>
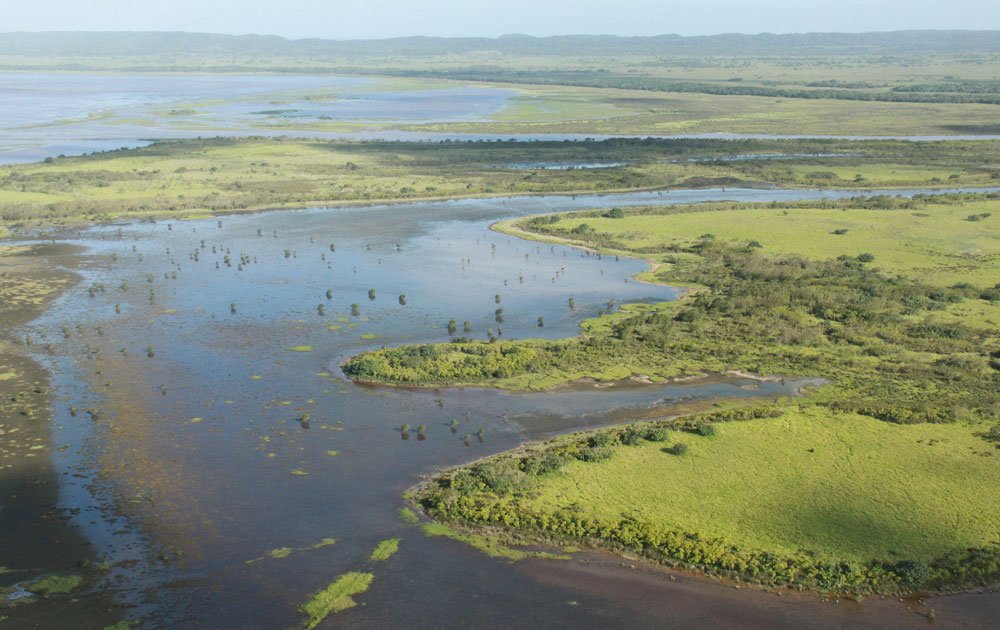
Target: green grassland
<point>881,481</point>
<point>196,177</point>
<point>810,489</point>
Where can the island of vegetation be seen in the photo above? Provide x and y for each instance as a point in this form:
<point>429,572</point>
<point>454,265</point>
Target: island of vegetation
<point>883,481</point>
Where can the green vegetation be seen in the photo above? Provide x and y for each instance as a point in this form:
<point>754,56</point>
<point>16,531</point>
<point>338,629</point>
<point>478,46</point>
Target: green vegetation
<point>56,584</point>
<point>843,497</point>
<point>785,494</point>
<point>194,177</point>
<point>385,550</point>
<point>336,597</point>
<point>283,552</point>
<point>490,545</point>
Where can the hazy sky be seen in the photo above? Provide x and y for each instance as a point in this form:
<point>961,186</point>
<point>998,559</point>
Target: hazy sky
<point>352,19</point>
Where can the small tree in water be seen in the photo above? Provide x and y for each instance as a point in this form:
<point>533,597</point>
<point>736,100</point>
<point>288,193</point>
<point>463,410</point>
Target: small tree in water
<point>571,302</point>
<point>355,309</point>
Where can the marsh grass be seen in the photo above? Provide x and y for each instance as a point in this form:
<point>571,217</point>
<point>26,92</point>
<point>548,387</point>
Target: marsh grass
<point>336,597</point>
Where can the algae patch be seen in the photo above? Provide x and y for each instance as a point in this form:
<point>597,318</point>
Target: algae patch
<point>301,348</point>
<point>336,597</point>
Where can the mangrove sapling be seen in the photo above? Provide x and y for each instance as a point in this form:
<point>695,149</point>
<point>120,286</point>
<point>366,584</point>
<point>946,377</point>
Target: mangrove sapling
<point>329,294</point>
<point>402,299</point>
<point>304,421</point>
<point>320,310</point>
<point>572,303</point>
<point>355,309</point>
<point>454,425</point>
<point>481,435</point>
<point>404,430</point>
<point>467,440</point>
<point>421,432</point>
<point>541,322</point>
<point>467,326</point>
<point>371,294</point>
<point>232,308</point>
<point>150,351</point>
<point>496,298</point>
<point>452,327</point>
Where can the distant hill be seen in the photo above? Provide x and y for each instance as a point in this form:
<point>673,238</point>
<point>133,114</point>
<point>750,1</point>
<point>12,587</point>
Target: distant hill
<point>151,44</point>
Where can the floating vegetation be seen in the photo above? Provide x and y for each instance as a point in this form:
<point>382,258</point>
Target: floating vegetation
<point>336,597</point>
<point>385,550</point>
<point>369,336</point>
<point>55,584</point>
<point>332,453</point>
<point>283,552</point>
<point>299,472</point>
<point>301,348</point>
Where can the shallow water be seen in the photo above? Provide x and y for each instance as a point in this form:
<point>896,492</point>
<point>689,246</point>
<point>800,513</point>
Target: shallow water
<point>204,450</point>
<point>46,114</point>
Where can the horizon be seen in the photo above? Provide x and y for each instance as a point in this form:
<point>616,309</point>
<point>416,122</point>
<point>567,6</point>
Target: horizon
<point>501,35</point>
<point>384,19</point>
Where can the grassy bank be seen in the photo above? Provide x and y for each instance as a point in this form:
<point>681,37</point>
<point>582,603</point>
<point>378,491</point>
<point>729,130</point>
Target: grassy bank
<point>873,484</point>
<point>199,177</point>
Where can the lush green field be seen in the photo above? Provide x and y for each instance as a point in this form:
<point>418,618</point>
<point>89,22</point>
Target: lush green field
<point>935,243</point>
<point>787,494</point>
<point>200,176</point>
<point>838,484</point>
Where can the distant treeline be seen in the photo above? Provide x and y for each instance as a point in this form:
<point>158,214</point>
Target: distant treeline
<point>957,92</point>
<point>145,44</point>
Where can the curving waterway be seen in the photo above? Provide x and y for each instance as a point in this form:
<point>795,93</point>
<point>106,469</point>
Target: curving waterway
<point>203,349</point>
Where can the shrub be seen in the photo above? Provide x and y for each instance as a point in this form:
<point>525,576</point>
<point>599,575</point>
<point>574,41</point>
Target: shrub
<point>631,437</point>
<point>677,449</point>
<point>912,573</point>
<point>705,428</point>
<point>595,454</point>
<point>615,213</point>
<point>657,434</point>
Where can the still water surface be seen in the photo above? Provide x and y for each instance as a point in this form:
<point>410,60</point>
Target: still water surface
<point>204,452</point>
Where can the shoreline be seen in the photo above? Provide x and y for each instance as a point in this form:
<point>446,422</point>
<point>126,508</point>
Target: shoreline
<point>37,539</point>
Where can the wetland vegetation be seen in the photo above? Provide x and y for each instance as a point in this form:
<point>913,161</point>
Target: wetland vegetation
<point>191,178</point>
<point>904,337</point>
<point>816,407</point>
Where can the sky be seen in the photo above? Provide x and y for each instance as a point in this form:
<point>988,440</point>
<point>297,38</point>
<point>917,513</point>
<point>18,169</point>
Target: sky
<point>364,19</point>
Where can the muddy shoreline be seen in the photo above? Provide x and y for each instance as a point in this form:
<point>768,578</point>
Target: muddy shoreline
<point>36,536</point>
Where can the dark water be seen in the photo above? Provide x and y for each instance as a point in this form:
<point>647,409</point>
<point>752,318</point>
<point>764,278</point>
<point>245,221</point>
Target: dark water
<point>204,451</point>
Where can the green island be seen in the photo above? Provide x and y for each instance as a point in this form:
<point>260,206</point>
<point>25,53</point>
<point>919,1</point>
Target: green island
<point>882,481</point>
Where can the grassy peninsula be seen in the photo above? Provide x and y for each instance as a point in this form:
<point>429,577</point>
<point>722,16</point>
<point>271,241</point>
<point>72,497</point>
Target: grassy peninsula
<point>877,482</point>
